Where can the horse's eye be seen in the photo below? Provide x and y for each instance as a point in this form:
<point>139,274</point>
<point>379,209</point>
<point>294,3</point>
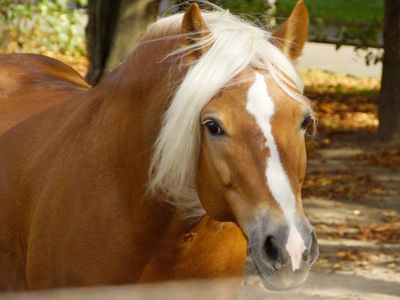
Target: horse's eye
<point>305,123</point>
<point>213,128</point>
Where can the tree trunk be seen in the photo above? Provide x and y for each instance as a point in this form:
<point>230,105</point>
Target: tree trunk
<point>134,17</point>
<point>103,17</point>
<point>113,29</point>
<point>389,99</point>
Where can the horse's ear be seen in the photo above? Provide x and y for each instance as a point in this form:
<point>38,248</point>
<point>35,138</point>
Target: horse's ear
<point>194,29</point>
<point>291,36</point>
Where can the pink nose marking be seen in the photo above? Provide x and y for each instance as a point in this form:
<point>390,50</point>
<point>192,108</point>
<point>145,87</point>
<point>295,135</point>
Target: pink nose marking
<point>295,246</point>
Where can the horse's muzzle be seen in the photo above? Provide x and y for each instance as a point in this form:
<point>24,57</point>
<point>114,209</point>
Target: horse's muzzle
<point>281,258</point>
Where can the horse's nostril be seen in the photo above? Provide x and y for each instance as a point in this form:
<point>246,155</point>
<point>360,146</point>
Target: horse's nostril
<point>314,252</point>
<point>306,255</point>
<point>272,252</point>
<point>311,251</point>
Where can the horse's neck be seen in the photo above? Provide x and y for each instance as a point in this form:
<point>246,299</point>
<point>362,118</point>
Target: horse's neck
<point>136,95</point>
<point>140,88</point>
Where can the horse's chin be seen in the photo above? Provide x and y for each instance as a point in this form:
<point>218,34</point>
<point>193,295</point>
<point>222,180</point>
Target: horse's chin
<point>283,279</point>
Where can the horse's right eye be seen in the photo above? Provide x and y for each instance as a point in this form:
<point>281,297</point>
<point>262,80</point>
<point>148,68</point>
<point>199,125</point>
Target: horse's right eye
<point>306,121</point>
<point>213,128</point>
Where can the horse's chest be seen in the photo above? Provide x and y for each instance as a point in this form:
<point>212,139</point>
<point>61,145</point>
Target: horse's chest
<point>203,252</point>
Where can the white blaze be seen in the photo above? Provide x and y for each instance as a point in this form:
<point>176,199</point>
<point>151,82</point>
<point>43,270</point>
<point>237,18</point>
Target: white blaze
<point>262,107</point>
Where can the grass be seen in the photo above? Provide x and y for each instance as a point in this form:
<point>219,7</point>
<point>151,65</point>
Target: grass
<point>338,10</point>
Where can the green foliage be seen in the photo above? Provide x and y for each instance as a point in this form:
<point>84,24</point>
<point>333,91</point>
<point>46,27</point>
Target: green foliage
<point>362,37</point>
<point>31,26</point>
<point>344,22</point>
<point>338,10</point>
<point>252,10</point>
<point>256,7</point>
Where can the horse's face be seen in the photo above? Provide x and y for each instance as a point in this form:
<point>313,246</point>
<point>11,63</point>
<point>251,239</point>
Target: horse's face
<point>251,169</point>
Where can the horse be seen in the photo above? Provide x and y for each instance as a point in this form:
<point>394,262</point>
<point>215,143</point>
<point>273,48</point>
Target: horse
<point>34,73</point>
<point>184,158</point>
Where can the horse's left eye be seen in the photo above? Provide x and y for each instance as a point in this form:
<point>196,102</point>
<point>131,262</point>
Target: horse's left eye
<point>213,128</point>
<point>305,123</point>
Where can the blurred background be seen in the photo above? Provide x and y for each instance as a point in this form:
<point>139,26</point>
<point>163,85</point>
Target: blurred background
<point>351,70</point>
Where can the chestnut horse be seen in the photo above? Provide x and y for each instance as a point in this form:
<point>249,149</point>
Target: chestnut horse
<point>189,153</point>
<point>33,73</point>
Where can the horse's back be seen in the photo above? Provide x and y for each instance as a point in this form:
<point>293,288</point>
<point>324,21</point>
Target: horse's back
<point>32,83</point>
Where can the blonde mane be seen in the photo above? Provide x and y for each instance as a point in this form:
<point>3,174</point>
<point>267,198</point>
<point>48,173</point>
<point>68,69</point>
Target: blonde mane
<point>233,46</point>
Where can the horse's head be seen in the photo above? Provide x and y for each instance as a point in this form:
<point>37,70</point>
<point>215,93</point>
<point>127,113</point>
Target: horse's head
<point>251,149</point>
<point>251,169</point>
